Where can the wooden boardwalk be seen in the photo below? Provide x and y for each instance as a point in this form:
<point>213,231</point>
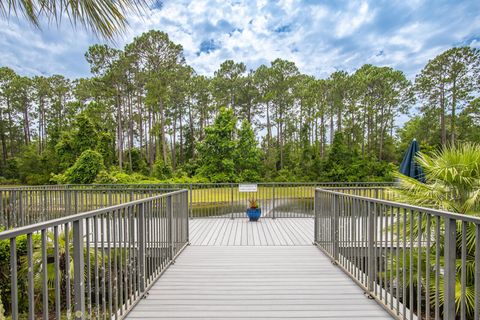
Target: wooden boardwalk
<point>267,278</point>
<point>241,232</point>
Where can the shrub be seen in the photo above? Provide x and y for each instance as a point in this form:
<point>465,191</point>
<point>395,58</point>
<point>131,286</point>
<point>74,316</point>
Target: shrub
<point>85,169</point>
<point>162,170</point>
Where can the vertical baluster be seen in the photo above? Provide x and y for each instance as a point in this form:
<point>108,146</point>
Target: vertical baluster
<point>78,270</point>
<point>450,267</point>
<point>30,282</point>
<point>397,259</point>
<point>404,264</point>
<point>463,275</point>
<point>67,271</point>
<point>88,285</point>
<point>44,275</point>
<point>419,264</point>
<point>96,266</point>
<point>437,266</point>
<point>115,262</point>
<point>477,273</point>
<point>13,277</point>
<point>56,252</point>
<point>427,268</point>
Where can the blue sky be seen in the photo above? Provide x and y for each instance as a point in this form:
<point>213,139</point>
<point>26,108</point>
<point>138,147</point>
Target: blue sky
<point>319,36</point>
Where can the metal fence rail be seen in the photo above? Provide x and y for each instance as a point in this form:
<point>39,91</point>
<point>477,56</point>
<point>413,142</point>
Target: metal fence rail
<point>419,263</point>
<point>97,264</point>
<point>32,204</point>
<point>26,205</point>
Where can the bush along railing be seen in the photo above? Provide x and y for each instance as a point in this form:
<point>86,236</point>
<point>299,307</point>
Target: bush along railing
<point>96,264</point>
<point>27,205</point>
<point>418,263</point>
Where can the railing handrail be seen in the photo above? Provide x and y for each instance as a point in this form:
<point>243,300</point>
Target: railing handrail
<point>161,184</point>
<point>80,216</point>
<point>435,212</point>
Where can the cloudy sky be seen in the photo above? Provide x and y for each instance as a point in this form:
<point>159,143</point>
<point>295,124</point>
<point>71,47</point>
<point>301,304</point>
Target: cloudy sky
<point>319,36</point>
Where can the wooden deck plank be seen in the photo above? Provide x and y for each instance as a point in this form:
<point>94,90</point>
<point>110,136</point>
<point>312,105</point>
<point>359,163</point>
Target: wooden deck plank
<point>255,282</point>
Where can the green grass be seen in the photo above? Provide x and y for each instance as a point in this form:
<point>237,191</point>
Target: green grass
<point>225,194</point>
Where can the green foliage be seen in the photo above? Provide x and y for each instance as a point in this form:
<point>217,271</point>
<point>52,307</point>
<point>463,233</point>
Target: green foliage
<point>345,163</point>
<point>147,112</point>
<point>453,184</point>
<point>34,168</point>
<point>217,151</point>
<point>247,154</point>
<point>106,147</point>
<point>162,170</point>
<point>452,180</point>
<point>84,170</point>
<point>138,161</point>
<point>85,136</point>
<point>65,150</point>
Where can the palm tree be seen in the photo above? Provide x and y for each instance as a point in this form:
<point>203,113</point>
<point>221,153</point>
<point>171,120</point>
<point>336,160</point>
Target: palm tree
<point>453,184</point>
<point>452,181</point>
<point>106,18</point>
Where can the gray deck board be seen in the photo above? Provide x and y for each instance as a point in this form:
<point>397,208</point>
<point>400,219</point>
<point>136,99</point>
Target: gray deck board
<point>237,269</point>
<point>241,232</point>
<point>255,282</point>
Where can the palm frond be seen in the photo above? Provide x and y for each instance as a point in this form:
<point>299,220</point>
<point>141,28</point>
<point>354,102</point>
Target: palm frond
<point>105,18</point>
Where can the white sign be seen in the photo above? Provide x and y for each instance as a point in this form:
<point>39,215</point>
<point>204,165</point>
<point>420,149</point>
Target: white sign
<point>244,187</point>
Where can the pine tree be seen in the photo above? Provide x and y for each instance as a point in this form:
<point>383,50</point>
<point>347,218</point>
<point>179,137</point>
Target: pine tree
<point>247,154</point>
<point>218,149</point>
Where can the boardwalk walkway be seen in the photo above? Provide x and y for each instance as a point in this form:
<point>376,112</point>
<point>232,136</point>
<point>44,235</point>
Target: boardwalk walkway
<point>263,277</point>
<point>241,232</point>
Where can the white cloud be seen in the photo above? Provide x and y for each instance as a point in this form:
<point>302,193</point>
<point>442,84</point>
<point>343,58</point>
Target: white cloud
<point>353,18</point>
<point>318,37</point>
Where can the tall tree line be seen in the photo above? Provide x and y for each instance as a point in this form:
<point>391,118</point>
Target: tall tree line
<point>145,110</point>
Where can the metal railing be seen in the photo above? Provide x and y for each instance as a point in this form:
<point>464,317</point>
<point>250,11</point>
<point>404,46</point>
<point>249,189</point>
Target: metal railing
<point>96,264</point>
<point>27,205</point>
<point>206,200</point>
<point>419,263</point>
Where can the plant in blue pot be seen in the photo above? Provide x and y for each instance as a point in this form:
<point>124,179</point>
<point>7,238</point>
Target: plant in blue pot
<point>253,212</point>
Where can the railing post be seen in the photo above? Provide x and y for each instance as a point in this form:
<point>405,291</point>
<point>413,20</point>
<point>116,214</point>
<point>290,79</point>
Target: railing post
<point>141,246</point>
<point>13,277</point>
<point>20,209</point>
<point>190,213</point>
<point>78,274</point>
<point>187,227</point>
<point>171,234</point>
<point>75,201</point>
<point>450,268</point>
<point>231,195</point>
<point>2,213</point>
<point>336,214</point>
<point>315,216</point>
<point>44,204</point>
<point>371,246</point>
<point>273,201</point>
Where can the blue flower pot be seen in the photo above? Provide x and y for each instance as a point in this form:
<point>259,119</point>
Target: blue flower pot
<point>254,214</point>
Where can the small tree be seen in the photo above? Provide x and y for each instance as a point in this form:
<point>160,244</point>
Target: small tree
<point>86,136</point>
<point>339,161</point>
<point>85,169</point>
<point>162,170</point>
<point>247,154</point>
<point>218,149</point>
